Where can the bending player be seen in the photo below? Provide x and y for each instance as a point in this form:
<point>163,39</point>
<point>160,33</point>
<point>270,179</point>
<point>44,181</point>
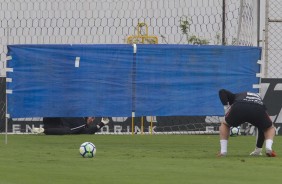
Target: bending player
<point>246,107</point>
<point>63,126</point>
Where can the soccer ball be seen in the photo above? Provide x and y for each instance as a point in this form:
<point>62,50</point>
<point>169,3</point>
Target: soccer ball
<point>87,150</point>
<point>234,131</point>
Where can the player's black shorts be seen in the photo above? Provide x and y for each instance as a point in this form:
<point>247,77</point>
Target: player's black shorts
<point>242,112</point>
<point>52,123</point>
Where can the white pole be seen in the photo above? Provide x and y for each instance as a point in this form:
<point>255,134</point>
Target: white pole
<point>266,39</point>
<point>239,22</point>
<point>6,121</point>
<point>6,106</point>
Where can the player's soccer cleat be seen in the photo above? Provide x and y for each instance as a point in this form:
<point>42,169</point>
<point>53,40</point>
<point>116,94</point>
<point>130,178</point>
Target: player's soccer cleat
<point>270,153</point>
<point>256,152</point>
<point>105,120</point>
<point>37,130</point>
<point>221,154</point>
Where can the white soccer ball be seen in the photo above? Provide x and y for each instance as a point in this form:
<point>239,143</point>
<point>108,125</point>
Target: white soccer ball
<point>234,131</point>
<point>87,150</point>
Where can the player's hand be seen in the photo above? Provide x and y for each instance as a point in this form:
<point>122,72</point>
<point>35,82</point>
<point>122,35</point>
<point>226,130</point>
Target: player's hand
<point>105,120</point>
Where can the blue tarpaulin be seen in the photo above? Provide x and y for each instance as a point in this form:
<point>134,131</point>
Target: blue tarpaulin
<point>185,79</point>
<point>111,80</point>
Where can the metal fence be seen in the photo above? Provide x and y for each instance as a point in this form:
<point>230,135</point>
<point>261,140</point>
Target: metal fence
<point>112,21</point>
<point>273,39</point>
<point>231,22</point>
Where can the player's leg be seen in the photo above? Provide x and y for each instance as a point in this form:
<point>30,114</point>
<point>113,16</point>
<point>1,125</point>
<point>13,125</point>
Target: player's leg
<point>262,121</point>
<point>52,122</point>
<point>48,123</point>
<point>39,130</point>
<point>234,117</point>
<point>223,135</point>
<point>269,135</point>
<point>57,131</point>
<point>259,143</point>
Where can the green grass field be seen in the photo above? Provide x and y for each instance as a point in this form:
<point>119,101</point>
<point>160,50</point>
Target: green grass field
<point>127,159</point>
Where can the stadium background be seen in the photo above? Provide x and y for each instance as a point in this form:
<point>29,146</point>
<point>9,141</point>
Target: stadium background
<point>253,22</point>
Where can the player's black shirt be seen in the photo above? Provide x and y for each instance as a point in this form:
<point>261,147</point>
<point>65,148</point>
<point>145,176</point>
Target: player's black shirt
<point>74,123</point>
<point>246,107</point>
<point>248,97</point>
<point>61,126</point>
<point>227,97</point>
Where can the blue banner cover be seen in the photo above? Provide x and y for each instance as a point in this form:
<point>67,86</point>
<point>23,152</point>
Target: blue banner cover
<point>47,82</point>
<point>111,80</point>
<point>185,79</point>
